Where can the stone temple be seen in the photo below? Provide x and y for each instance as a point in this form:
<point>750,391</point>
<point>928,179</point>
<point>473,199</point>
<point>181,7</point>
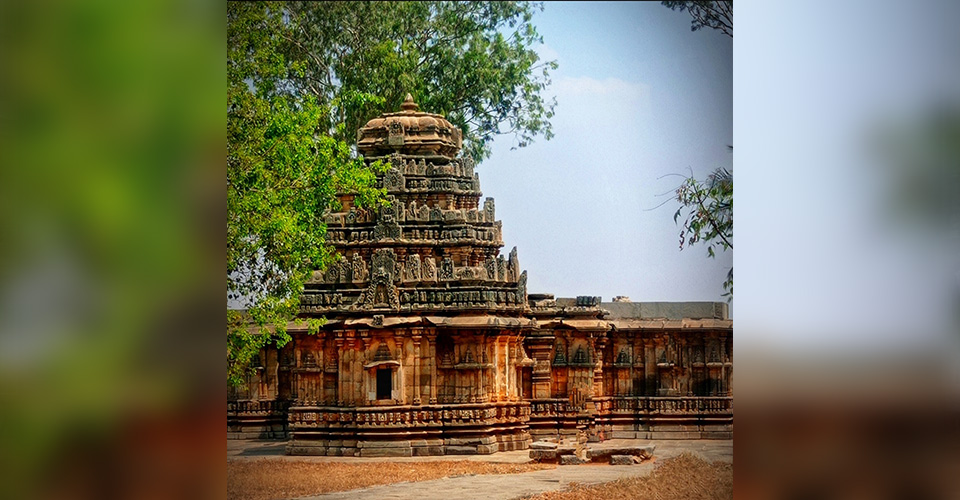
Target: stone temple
<point>433,346</point>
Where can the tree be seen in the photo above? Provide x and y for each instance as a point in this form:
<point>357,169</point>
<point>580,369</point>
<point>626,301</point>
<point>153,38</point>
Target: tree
<point>302,78</point>
<point>709,215</point>
<point>716,15</point>
<point>283,170</point>
<point>470,61</point>
<point>708,205</point>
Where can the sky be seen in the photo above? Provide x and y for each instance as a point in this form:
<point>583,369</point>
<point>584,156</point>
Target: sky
<point>641,101</point>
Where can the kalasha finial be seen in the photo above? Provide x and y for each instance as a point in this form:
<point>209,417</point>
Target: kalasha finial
<point>408,104</point>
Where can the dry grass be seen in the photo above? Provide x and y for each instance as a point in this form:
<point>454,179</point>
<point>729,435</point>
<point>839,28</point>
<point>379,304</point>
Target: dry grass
<point>268,479</point>
<point>682,477</point>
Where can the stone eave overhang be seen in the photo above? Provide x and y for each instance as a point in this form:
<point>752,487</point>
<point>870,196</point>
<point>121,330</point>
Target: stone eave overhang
<point>483,321</point>
<point>671,324</point>
<point>595,325</point>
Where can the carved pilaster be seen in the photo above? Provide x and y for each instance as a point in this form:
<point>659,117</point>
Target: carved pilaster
<point>432,346</point>
<point>417,339</point>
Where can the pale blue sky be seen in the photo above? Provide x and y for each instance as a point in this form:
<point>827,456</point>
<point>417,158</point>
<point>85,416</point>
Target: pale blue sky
<point>639,96</point>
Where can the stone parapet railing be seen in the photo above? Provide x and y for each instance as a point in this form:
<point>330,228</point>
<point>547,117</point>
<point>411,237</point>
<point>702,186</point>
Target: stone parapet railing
<point>401,417</point>
<point>264,419</point>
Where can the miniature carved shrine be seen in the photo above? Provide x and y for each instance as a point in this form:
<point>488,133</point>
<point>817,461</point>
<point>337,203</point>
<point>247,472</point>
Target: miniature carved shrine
<point>432,345</point>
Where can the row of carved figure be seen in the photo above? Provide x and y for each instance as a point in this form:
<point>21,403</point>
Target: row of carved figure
<point>418,269</point>
<point>412,212</point>
<point>459,167</point>
<point>388,296</point>
<point>420,416</point>
<point>461,236</point>
<point>394,181</point>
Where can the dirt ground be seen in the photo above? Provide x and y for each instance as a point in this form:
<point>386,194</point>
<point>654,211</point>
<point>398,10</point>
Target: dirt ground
<point>682,477</point>
<point>685,476</point>
<point>268,479</point>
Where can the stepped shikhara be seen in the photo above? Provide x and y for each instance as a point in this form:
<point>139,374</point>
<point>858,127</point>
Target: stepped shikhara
<point>433,248</point>
<point>432,345</point>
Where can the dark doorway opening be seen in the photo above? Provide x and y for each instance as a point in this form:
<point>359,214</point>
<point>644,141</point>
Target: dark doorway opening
<point>384,383</point>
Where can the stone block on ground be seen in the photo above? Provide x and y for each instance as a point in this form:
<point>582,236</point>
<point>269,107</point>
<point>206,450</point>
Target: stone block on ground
<point>424,451</point>
<point>571,460</point>
<point>487,449</point>
<point>624,460</point>
<point>543,445</point>
<point>636,451</point>
<point>386,452</point>
<point>544,455</point>
<point>460,450</point>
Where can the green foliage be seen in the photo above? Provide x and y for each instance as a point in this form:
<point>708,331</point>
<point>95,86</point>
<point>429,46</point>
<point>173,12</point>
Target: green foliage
<point>709,215</point>
<point>716,15</point>
<point>303,77</point>
<point>470,61</point>
<point>283,171</point>
<point>708,205</point>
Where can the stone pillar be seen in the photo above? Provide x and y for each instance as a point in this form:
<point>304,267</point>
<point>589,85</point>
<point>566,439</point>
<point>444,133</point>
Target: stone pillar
<point>540,348</point>
<point>416,365</point>
<point>296,378</point>
<point>481,372</point>
<point>650,377</point>
<point>507,393</point>
<point>362,397</point>
<point>432,351</point>
<point>321,362</point>
<point>724,387</point>
<point>339,342</point>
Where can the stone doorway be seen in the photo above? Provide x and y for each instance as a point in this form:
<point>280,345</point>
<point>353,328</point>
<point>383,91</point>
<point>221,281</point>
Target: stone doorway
<point>384,383</point>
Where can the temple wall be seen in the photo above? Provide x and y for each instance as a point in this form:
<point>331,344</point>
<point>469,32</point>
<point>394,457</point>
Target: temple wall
<point>620,383</point>
<point>669,384</point>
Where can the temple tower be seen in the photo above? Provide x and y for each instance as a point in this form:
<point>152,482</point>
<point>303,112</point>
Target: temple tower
<point>421,353</point>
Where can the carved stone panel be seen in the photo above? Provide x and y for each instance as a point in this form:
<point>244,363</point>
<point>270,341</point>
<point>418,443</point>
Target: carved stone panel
<point>393,180</point>
<point>412,271</point>
<point>387,230</point>
<point>489,210</point>
<point>446,269</point>
<point>429,269</point>
<point>395,133</point>
<point>513,266</point>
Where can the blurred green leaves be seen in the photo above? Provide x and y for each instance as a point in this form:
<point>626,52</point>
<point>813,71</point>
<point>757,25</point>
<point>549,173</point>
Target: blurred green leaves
<point>111,206</point>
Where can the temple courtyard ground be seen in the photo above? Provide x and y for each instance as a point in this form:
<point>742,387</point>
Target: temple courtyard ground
<point>259,470</point>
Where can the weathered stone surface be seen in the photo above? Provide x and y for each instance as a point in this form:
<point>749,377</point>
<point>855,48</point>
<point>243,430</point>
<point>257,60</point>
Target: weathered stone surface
<point>460,450</point>
<point>386,452</point>
<point>383,444</point>
<point>421,451</point>
<point>571,460</point>
<point>623,460</point>
<point>543,445</point>
<point>636,451</point>
<point>544,455</point>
